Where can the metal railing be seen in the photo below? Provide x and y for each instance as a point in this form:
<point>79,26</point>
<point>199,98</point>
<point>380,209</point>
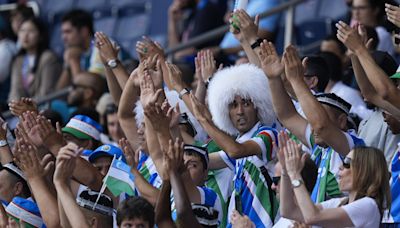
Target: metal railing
<point>205,37</point>
<point>289,6</point>
<point>46,99</point>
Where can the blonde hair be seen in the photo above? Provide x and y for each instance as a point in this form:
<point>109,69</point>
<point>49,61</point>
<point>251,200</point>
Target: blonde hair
<point>371,176</point>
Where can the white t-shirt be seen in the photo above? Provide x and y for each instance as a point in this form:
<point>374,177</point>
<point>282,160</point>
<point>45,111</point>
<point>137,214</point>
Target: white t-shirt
<point>363,212</point>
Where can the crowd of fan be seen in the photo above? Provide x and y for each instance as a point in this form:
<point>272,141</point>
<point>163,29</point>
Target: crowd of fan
<point>267,141</point>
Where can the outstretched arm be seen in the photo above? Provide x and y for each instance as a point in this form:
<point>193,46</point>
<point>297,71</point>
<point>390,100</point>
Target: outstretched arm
<point>316,114</point>
<point>245,30</point>
<point>378,78</point>
<point>368,91</point>
<point>117,76</point>
<point>312,214</point>
<point>65,164</point>
<point>273,68</point>
<point>28,160</point>
<point>226,142</point>
<point>174,164</point>
<point>146,190</point>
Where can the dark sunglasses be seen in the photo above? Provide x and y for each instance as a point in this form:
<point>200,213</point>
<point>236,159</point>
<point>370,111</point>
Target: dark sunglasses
<point>346,162</point>
<point>276,180</point>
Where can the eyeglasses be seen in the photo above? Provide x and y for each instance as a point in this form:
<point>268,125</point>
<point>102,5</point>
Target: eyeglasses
<point>346,162</point>
<point>275,180</point>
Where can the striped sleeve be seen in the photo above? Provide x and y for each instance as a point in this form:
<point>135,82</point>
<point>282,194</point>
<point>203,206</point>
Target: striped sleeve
<point>230,162</point>
<point>265,139</point>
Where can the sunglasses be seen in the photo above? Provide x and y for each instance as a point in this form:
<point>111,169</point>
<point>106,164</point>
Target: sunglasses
<point>346,162</point>
<point>275,180</point>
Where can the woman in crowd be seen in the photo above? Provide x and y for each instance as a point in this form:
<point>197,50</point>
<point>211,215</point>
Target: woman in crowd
<point>363,176</point>
<point>35,69</point>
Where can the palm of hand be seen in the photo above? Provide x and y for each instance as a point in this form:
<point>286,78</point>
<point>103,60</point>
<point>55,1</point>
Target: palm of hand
<point>157,78</point>
<point>35,135</point>
<point>272,66</point>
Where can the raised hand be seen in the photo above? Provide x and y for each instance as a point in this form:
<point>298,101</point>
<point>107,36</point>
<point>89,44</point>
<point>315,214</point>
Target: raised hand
<point>393,14</point>
<point>243,26</point>
<point>175,77</point>
<point>47,133</point>
<point>293,65</point>
<point>200,111</point>
<point>207,64</point>
<point>106,49</point>
<point>148,48</point>
<point>132,157</point>
<point>283,138</point>
<point>349,36</point>
<point>153,64</point>
<point>72,53</point>
<point>270,62</point>
<point>175,162</point>
<point>148,95</point>
<point>28,128</point>
<point>294,159</point>
<point>22,105</point>
<point>28,161</point>
<point>65,163</point>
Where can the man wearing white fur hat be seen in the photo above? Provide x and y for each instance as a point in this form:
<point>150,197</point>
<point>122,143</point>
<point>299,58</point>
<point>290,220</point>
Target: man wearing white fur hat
<point>240,106</point>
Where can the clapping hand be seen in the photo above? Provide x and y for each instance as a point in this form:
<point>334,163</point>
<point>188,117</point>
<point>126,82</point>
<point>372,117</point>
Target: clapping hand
<point>294,160</point>
<point>65,163</point>
<point>175,77</point>
<point>24,104</point>
<point>200,111</point>
<point>393,14</point>
<point>132,157</point>
<point>106,49</point>
<point>270,61</point>
<point>293,65</point>
<point>175,162</point>
<point>350,37</point>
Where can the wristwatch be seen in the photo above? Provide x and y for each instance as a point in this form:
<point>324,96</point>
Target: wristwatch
<point>183,92</point>
<point>3,143</point>
<point>112,63</point>
<point>256,43</point>
<point>296,183</point>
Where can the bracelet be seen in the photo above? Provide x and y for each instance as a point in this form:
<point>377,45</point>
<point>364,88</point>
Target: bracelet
<point>256,43</point>
<point>183,92</point>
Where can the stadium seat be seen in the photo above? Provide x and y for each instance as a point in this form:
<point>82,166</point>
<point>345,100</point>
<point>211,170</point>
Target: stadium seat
<point>129,27</point>
<point>91,4</point>
<point>313,30</point>
<point>332,9</point>
<point>105,24</point>
<point>306,11</point>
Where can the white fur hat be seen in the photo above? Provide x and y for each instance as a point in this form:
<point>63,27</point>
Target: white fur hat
<point>247,81</point>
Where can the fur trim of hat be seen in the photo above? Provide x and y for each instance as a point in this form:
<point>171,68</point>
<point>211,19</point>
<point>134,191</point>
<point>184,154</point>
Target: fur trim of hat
<point>247,81</point>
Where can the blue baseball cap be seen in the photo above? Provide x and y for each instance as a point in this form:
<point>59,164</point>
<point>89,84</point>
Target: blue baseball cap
<point>107,150</point>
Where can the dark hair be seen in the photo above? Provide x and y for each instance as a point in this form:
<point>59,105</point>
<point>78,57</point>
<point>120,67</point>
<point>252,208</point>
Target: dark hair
<point>316,66</point>
<point>309,173</point>
<point>79,18</point>
<point>43,43</point>
<point>341,46</point>
<point>90,112</point>
<point>334,65</point>
<point>380,6</point>
<point>195,154</point>
<point>25,11</point>
<point>135,207</point>
<point>110,109</point>
<point>53,116</point>
<point>371,33</point>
